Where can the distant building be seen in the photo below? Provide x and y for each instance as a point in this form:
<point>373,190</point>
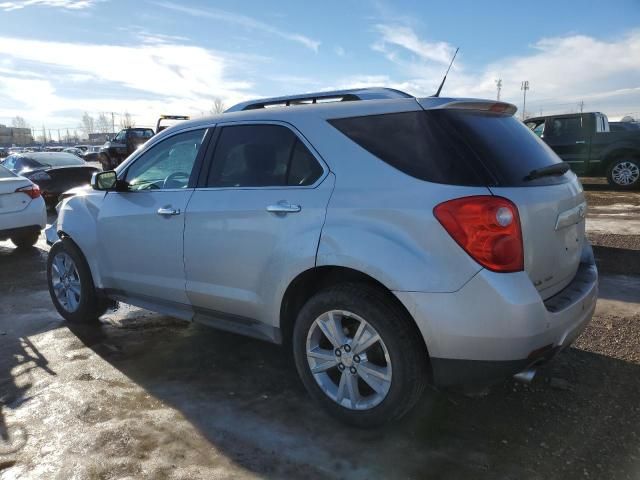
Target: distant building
<point>15,136</point>
<point>99,138</point>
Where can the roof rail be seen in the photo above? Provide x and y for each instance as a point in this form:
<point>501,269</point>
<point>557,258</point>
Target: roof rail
<point>321,97</point>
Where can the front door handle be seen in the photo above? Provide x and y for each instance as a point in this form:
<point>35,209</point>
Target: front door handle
<point>283,207</point>
<point>168,211</point>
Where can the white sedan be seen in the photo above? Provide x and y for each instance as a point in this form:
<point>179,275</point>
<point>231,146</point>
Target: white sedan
<point>22,210</point>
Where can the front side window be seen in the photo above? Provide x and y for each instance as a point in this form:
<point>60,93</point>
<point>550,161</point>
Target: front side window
<point>564,127</point>
<point>168,164</point>
<point>262,156</point>
<point>121,136</point>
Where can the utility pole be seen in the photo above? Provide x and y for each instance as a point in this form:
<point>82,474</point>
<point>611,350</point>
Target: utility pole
<point>524,87</point>
<point>113,124</point>
<point>581,105</point>
<point>59,136</point>
<point>499,87</point>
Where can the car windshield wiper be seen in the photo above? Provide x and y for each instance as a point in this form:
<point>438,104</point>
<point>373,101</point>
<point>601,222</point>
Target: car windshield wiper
<point>551,170</point>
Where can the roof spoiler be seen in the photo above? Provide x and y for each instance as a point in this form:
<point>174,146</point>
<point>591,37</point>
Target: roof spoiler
<point>470,104</point>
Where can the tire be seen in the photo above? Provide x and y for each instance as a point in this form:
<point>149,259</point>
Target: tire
<point>624,173</point>
<point>26,240</point>
<point>400,356</point>
<point>82,304</point>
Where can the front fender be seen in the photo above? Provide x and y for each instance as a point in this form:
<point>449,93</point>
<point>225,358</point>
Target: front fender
<point>77,219</point>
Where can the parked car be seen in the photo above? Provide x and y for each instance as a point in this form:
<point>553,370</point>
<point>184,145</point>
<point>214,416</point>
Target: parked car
<point>83,148</point>
<point>587,143</point>
<point>389,240</point>
<point>54,172</point>
<point>74,151</point>
<point>22,209</point>
<point>127,141</point>
<point>92,154</point>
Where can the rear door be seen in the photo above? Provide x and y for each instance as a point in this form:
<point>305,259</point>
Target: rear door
<point>569,138</point>
<point>140,230</point>
<point>254,224</point>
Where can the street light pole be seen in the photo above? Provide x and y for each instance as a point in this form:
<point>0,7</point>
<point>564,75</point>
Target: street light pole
<point>524,87</point>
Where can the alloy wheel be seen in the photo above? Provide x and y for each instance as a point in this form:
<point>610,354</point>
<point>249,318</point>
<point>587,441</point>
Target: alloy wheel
<point>66,282</point>
<point>348,360</point>
<point>625,173</point>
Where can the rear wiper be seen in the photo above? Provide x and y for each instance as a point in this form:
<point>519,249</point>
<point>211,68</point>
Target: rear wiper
<point>550,171</point>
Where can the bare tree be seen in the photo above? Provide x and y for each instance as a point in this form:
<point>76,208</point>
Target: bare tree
<point>218,106</point>
<point>126,121</point>
<point>103,124</point>
<point>19,122</point>
<point>88,124</point>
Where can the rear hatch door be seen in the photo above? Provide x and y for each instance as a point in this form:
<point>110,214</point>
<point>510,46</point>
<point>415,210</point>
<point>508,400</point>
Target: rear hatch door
<point>551,207</point>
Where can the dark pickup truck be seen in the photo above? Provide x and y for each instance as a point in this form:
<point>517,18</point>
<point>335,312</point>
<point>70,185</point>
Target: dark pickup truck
<point>115,150</point>
<point>586,142</point>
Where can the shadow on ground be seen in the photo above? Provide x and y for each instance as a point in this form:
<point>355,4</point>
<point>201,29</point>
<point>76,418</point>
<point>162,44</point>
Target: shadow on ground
<point>243,396</point>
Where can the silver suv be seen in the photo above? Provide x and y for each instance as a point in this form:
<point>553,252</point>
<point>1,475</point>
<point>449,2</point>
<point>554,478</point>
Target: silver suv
<point>391,241</point>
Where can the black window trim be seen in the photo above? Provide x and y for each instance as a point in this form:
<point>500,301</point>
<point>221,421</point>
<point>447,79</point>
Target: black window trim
<point>197,164</point>
<point>213,144</point>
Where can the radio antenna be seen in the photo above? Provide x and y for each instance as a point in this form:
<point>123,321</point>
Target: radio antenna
<point>447,73</point>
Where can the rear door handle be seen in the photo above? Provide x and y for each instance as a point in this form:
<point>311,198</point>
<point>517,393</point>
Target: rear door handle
<point>168,211</point>
<point>283,207</point>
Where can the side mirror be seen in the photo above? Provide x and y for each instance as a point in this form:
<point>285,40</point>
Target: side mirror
<point>104,180</point>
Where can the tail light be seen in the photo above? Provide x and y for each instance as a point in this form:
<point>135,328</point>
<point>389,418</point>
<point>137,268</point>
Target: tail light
<point>487,228</point>
<point>32,190</point>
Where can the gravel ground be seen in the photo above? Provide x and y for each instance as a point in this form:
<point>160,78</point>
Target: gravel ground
<point>148,396</point>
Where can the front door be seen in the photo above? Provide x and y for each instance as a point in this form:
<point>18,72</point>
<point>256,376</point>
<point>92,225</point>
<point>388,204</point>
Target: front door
<point>568,138</point>
<point>140,230</point>
<point>255,223</point>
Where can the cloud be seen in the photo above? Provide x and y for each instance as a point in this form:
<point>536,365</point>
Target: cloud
<point>562,71</point>
<point>394,36</point>
<point>149,78</point>
<point>243,21</point>
<point>340,51</point>
<point>65,4</point>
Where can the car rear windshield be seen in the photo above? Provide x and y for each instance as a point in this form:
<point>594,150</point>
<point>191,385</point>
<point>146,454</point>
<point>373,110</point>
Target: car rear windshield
<point>55,159</point>
<point>6,173</point>
<point>454,147</point>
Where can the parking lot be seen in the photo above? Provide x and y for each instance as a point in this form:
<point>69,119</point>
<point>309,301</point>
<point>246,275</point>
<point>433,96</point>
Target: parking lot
<point>148,395</point>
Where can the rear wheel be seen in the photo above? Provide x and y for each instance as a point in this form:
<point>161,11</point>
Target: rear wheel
<point>71,285</point>
<point>26,240</point>
<point>624,173</point>
<point>359,355</point>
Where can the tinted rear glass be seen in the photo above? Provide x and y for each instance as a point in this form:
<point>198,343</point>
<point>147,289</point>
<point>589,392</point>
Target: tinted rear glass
<point>5,173</point>
<point>55,159</point>
<point>453,147</point>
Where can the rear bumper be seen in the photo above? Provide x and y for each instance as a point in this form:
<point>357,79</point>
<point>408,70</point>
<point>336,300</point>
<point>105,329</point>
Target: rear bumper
<point>498,325</point>
<point>33,216</point>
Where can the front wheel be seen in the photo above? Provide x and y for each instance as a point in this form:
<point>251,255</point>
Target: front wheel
<point>359,355</point>
<point>624,173</point>
<point>71,285</point>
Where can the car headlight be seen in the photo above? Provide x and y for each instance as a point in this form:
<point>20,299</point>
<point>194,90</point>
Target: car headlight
<point>39,177</point>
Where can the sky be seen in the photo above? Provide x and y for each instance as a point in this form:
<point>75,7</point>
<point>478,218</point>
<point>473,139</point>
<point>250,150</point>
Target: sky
<point>61,58</point>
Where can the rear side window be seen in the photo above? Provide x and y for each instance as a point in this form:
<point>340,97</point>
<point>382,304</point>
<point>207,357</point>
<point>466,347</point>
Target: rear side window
<point>261,156</point>
<point>453,147</point>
